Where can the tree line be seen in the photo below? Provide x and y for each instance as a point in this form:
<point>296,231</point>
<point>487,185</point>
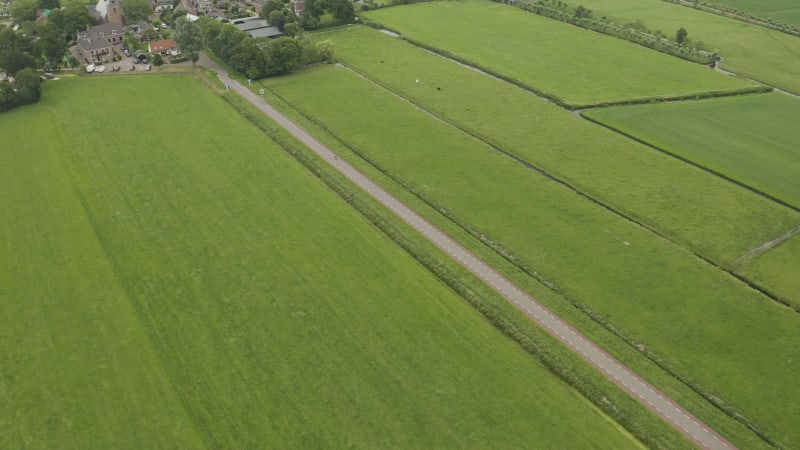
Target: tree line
<point>255,57</point>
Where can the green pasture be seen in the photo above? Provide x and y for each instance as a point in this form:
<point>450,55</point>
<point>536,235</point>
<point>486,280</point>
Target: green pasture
<point>706,326</point>
<point>766,55</point>
<point>781,11</point>
<point>778,270</point>
<point>712,216</point>
<point>752,139</point>
<point>579,66</point>
<point>192,286</point>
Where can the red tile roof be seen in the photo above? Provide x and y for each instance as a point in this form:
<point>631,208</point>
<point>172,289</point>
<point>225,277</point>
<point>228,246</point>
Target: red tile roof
<point>160,46</point>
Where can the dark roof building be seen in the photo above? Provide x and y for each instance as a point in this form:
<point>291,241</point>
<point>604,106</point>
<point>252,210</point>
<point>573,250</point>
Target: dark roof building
<point>257,28</point>
<point>95,43</point>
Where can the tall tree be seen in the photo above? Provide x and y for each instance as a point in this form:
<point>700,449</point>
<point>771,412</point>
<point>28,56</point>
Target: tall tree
<point>23,10</point>
<point>50,45</point>
<point>29,87</point>
<point>270,6</point>
<point>137,10</point>
<point>342,10</point>
<point>682,36</point>
<point>189,38</point>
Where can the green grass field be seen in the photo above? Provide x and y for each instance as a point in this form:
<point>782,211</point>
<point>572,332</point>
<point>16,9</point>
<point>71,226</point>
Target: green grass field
<point>192,286</point>
<point>579,66</point>
<point>766,55</point>
<point>713,217</point>
<point>650,290</point>
<point>752,139</point>
<point>778,270</point>
<point>782,11</point>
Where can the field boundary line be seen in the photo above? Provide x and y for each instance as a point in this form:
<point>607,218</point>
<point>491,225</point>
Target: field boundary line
<point>679,418</point>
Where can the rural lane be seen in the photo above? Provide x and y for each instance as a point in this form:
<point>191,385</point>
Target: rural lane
<point>639,389</point>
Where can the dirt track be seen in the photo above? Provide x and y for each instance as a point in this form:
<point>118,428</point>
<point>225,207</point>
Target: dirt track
<point>680,419</point>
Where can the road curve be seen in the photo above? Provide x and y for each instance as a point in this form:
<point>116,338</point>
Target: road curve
<point>676,416</point>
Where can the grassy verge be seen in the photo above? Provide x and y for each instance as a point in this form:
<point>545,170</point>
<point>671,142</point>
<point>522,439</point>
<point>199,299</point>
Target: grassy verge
<point>560,238</point>
<point>576,66</point>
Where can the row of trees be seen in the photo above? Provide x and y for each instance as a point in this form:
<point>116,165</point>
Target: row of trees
<point>257,57</point>
<point>634,32</point>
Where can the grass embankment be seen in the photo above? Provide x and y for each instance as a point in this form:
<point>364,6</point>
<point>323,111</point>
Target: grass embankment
<point>602,263</point>
<point>750,139</point>
<point>769,56</point>
<point>777,270</point>
<point>209,288</point>
<point>576,66</point>
<point>711,216</point>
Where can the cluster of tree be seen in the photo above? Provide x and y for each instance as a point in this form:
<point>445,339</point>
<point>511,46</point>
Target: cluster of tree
<point>136,10</point>
<point>260,57</point>
<point>341,10</point>
<point>635,32</point>
<point>276,14</point>
<point>25,89</point>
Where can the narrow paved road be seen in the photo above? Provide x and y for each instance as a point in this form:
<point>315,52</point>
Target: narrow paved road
<point>679,418</point>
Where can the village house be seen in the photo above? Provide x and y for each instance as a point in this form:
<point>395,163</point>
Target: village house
<point>95,44</point>
<point>163,47</point>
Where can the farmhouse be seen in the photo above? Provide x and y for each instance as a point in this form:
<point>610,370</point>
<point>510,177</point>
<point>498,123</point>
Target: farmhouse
<point>257,27</point>
<point>94,44</point>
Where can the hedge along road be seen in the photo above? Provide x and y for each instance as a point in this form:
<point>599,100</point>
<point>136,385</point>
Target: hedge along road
<point>659,403</point>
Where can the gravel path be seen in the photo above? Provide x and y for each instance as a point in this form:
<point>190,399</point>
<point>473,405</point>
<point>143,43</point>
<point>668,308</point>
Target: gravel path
<point>639,389</point>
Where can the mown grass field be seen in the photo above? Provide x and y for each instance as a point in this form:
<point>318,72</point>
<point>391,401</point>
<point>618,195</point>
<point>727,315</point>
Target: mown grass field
<point>778,270</point>
<point>712,216</point>
<point>192,286</point>
<point>766,55</point>
<point>579,66</point>
<point>703,324</point>
<point>752,139</point>
<point>781,11</point>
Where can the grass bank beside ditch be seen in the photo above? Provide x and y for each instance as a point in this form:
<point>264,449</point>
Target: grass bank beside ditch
<point>609,267</point>
<point>255,306</point>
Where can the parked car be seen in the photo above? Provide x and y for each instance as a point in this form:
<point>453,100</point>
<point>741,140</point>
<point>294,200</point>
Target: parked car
<point>127,52</point>
<point>133,68</point>
<point>148,67</point>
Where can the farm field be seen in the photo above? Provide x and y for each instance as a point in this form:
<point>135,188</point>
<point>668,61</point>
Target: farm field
<point>592,257</point>
<point>766,55</point>
<point>778,270</point>
<point>781,11</point>
<point>652,188</point>
<point>751,139</point>
<point>207,291</point>
<point>578,66</point>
